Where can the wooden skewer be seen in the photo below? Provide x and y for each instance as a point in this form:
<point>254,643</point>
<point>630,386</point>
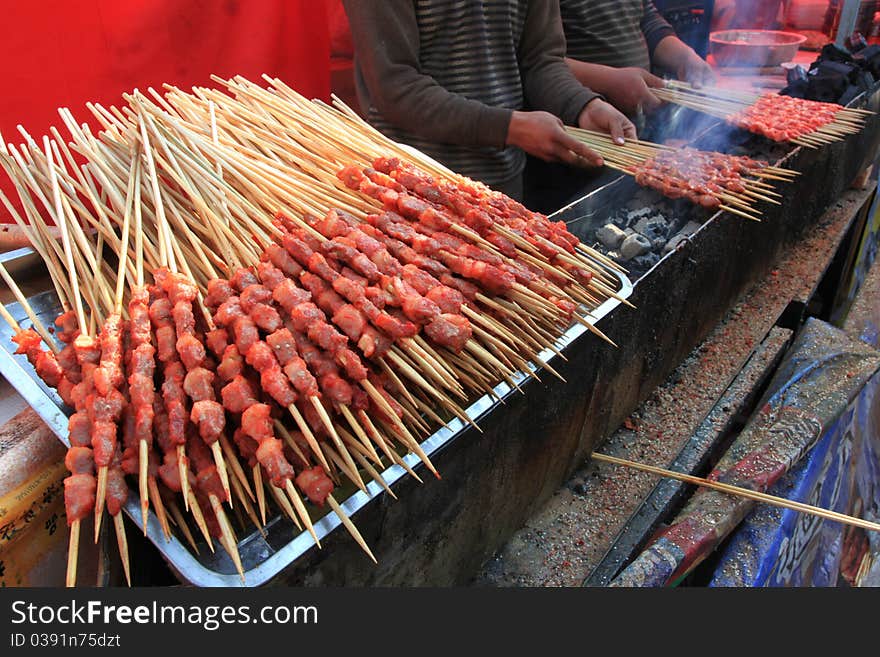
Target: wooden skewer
<point>38,325</point>
<point>284,504</point>
<point>72,553</point>
<point>158,507</point>
<point>181,523</point>
<point>257,474</point>
<point>301,510</point>
<point>196,510</point>
<point>349,525</point>
<point>122,542</point>
<point>228,539</point>
<point>742,492</point>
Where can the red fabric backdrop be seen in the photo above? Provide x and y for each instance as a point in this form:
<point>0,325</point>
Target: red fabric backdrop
<point>60,53</point>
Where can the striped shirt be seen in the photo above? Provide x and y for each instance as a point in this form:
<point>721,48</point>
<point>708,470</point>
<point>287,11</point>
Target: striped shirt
<point>618,33</point>
<point>445,76</point>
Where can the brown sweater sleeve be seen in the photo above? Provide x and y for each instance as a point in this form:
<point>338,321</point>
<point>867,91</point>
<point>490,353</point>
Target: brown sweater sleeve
<point>386,40</point>
<point>549,83</point>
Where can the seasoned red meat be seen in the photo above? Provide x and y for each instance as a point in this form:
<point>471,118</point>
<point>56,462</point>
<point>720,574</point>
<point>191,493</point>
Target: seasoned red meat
<point>266,317</point>
<point>143,424</point>
<point>299,376</point>
<point>246,334</point>
<point>374,344</point>
<point>199,384</point>
<point>452,331</point>
<point>191,351</point>
<point>68,327</point>
<point>283,345</point>
<point>231,365</point>
<point>210,418</point>
<point>217,341</point>
<point>274,382</point>
<point>166,343</point>
<point>79,496</point>
<point>246,445</point>
<point>261,357</point>
<point>103,442</point>
<point>315,484</point>
<point>169,471</point>
<point>160,312</point>
<point>351,321</point>
<point>336,389</point>
<point>141,390</point>
<point>228,312</point>
<point>270,275</point>
<point>219,290</point>
<point>177,418</point>
<point>209,482</point>
<point>242,278</point>
<point>326,336</point>
<point>289,296</point>
<point>65,391</point>
<point>117,490</point>
<point>282,260</point>
<point>238,395</point>
<point>256,422</point>
<point>448,300</point>
<point>270,454</point>
<point>184,320</point>
<point>109,408</point>
<point>79,460</point>
<point>352,364</point>
<point>254,295</point>
<point>68,362</point>
<point>48,369</point>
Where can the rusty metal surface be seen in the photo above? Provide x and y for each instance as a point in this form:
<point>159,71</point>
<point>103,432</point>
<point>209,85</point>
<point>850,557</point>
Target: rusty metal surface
<point>823,374</point>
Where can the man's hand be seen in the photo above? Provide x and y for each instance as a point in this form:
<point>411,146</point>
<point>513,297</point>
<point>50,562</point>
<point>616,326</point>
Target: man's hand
<point>629,90</point>
<point>603,117</point>
<point>673,54</point>
<point>695,70</point>
<point>543,135</point>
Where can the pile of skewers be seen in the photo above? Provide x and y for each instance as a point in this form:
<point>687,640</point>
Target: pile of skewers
<point>261,294</point>
<point>779,118</point>
<point>712,180</point>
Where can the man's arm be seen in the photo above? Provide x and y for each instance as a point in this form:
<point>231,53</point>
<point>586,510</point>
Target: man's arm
<point>386,39</point>
<point>654,26</point>
<point>550,85</point>
<point>547,81</point>
<point>671,53</point>
<point>628,89</point>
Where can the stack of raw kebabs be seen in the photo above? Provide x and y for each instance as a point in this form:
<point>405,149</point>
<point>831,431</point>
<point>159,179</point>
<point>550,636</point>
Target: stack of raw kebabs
<point>262,294</point>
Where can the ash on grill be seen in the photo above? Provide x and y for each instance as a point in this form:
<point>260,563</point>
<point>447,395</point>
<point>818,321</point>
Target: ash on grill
<point>645,229</point>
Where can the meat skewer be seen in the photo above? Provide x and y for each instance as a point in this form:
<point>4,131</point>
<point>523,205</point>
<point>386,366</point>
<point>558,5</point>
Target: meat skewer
<point>80,487</point>
<point>230,315</point>
<point>239,397</point>
<point>176,392</point>
<point>306,317</point>
<point>206,412</point>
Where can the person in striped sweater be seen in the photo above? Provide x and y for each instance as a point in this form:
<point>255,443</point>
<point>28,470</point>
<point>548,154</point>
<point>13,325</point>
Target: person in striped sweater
<point>476,84</point>
<point>612,45</point>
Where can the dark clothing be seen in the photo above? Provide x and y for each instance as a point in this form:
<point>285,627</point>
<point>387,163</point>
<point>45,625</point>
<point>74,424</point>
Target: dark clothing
<point>446,76</point>
<point>618,33</point>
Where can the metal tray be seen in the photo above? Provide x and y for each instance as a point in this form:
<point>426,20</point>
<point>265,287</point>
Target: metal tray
<point>263,558</point>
